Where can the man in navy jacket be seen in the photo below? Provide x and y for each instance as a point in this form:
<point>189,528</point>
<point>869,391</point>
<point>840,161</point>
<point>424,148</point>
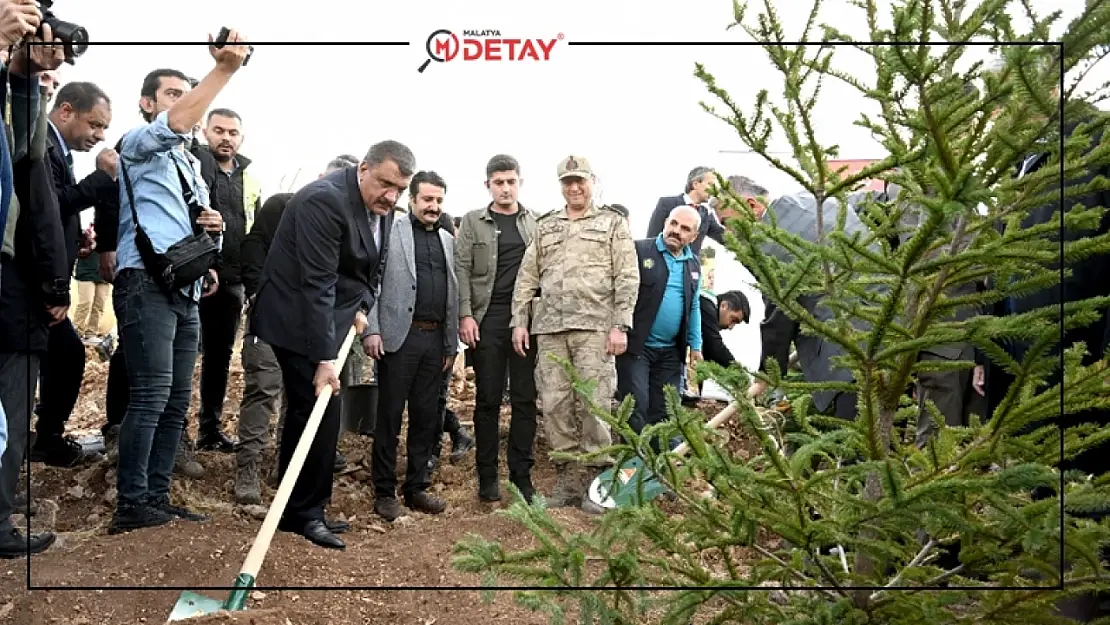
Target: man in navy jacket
<point>666,321</point>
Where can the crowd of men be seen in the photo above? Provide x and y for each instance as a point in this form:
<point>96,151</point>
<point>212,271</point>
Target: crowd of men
<point>522,291</point>
<point>503,282</point>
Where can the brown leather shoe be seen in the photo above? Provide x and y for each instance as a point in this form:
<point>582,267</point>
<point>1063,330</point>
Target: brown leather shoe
<point>423,502</point>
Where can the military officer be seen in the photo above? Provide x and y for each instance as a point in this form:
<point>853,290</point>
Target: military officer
<point>575,292</point>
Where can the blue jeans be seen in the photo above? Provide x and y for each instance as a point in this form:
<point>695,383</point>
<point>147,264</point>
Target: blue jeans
<point>159,335</point>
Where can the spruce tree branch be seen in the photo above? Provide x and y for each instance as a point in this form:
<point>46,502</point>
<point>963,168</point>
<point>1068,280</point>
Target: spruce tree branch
<point>916,561</point>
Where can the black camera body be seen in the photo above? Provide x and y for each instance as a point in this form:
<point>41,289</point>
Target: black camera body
<point>221,41</point>
<point>75,39</point>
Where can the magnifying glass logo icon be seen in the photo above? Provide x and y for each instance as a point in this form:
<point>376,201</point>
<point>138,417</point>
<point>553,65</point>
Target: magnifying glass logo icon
<point>439,50</point>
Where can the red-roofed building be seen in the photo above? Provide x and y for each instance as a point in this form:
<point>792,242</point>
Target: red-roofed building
<point>854,165</point>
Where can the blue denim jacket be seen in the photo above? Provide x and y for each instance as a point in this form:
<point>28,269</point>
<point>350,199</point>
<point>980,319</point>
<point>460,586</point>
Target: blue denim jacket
<point>150,152</point>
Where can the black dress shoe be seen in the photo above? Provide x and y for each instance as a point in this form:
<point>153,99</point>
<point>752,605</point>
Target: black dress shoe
<point>215,441</point>
<point>14,544</point>
<point>318,533</point>
<point>337,527</point>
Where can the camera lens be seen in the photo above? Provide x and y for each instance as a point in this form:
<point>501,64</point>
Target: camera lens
<point>75,38</point>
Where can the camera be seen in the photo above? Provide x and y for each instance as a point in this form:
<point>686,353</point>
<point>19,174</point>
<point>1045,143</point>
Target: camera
<point>75,39</point>
<point>221,41</point>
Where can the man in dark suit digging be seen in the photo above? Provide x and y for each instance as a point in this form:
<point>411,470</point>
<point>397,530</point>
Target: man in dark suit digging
<point>322,271</point>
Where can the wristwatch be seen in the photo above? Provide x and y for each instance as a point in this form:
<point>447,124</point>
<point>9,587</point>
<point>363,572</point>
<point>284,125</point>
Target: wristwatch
<point>622,328</point>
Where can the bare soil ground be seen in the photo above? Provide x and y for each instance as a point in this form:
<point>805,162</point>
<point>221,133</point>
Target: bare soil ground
<point>415,552</point>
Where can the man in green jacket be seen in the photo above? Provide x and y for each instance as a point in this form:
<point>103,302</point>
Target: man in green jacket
<point>488,249</point>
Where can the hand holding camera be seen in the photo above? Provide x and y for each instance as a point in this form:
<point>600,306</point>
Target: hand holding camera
<point>212,221</point>
<point>18,20</point>
<point>229,49</point>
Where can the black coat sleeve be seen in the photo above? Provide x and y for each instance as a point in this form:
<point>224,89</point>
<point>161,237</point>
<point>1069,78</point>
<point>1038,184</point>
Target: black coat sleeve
<point>716,229</point>
<point>74,198</point>
<point>777,332</point>
<point>319,230</point>
<point>257,242</point>
<point>32,182</point>
<point>713,348</point>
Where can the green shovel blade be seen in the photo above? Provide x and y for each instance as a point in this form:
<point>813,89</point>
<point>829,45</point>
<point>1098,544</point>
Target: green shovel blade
<point>630,484</point>
<point>191,605</point>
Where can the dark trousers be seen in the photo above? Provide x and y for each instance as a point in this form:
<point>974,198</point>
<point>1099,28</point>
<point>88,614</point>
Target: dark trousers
<point>119,388</point>
<point>413,374</point>
<point>644,377</point>
<point>951,392</point>
<point>492,356</point>
<point>219,322</point>
<point>313,487</point>
<point>18,374</point>
<point>159,334</point>
<point>451,424</point>
<point>61,372</point>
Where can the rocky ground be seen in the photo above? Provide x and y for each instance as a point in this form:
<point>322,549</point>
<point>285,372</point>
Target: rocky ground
<point>414,552</point>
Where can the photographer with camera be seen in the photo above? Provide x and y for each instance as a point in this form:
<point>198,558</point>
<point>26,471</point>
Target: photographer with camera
<point>165,262</point>
<point>34,289</point>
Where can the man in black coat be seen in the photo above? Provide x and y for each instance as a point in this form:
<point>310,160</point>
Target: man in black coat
<point>323,269</point>
<point>34,287</point>
<point>78,121</point>
<point>721,312</point>
<point>696,196</point>
<point>666,320</point>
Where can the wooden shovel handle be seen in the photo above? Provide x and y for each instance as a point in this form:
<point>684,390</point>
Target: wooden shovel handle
<point>262,541</point>
<point>716,421</point>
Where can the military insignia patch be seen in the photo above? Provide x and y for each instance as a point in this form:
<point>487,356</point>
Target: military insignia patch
<point>571,164</point>
<point>648,263</point>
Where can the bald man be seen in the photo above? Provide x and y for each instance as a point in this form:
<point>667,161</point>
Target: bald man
<point>667,319</point>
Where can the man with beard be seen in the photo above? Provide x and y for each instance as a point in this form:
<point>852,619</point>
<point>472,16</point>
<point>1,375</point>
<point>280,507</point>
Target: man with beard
<point>414,336</point>
<point>261,372</point>
<point>490,246</point>
<point>666,322</point>
<point>321,273</point>
<point>237,196</point>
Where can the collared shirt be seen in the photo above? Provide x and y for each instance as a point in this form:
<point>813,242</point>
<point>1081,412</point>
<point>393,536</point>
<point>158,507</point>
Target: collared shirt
<point>431,273</point>
<point>62,142</point>
<point>150,153</point>
<point>710,212</point>
<point>668,320</point>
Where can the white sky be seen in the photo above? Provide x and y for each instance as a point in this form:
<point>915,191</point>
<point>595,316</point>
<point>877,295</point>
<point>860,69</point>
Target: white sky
<point>632,110</point>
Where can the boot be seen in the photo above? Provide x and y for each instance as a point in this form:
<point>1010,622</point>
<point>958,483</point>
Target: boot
<point>568,488</point>
<point>186,459</point>
<point>247,490</point>
<point>111,444</point>
<point>523,483</point>
<point>488,489</point>
<point>461,443</point>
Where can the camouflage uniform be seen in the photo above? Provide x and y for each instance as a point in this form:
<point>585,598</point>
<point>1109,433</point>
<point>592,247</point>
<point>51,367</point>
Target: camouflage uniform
<point>578,280</point>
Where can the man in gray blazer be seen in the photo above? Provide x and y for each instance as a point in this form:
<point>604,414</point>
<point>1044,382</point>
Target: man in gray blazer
<point>413,330</point>
<point>797,214</point>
